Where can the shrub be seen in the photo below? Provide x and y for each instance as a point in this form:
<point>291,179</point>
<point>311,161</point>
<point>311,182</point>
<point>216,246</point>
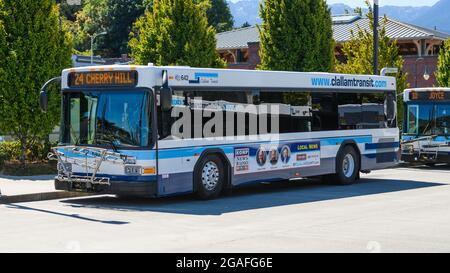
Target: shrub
<point>36,151</point>
<point>9,151</point>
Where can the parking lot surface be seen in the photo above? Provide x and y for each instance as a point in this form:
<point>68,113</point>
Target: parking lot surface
<point>394,210</point>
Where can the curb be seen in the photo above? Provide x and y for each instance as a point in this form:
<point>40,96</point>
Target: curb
<point>41,196</point>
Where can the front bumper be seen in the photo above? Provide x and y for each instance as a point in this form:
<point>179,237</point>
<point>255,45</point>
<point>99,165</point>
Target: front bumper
<point>426,157</point>
<point>124,188</point>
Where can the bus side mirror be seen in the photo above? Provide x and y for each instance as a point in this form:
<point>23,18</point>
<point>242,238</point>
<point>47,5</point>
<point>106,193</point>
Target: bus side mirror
<point>43,95</point>
<point>391,108</point>
<point>165,93</point>
<point>166,98</point>
<point>43,101</point>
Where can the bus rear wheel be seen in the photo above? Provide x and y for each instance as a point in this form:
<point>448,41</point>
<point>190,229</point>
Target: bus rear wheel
<point>209,177</point>
<point>347,166</point>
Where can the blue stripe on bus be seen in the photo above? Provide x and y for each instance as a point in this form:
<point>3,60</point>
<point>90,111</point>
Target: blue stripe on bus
<point>439,138</point>
<point>229,148</point>
<point>338,141</point>
<point>382,145</point>
<point>146,178</point>
<point>207,75</point>
<point>139,154</point>
<point>187,152</point>
<point>383,157</point>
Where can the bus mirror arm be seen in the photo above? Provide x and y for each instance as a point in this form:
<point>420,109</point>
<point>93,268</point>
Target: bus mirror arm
<point>165,93</point>
<point>43,94</point>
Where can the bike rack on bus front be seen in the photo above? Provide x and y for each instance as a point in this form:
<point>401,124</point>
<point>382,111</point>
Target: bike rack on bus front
<point>422,148</point>
<point>90,159</point>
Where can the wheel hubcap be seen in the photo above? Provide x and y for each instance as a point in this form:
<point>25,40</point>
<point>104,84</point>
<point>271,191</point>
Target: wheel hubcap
<point>210,175</point>
<point>348,165</point>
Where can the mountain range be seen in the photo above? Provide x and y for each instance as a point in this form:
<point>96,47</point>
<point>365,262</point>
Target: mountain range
<point>436,16</point>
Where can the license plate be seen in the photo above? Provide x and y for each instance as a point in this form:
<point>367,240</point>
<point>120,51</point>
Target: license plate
<point>135,170</point>
<point>78,186</point>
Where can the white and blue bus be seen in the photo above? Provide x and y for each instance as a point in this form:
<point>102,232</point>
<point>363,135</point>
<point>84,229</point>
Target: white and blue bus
<point>160,131</point>
<point>426,128</point>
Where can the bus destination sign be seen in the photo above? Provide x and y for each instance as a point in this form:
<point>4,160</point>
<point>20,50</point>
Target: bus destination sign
<point>90,79</point>
<point>429,95</point>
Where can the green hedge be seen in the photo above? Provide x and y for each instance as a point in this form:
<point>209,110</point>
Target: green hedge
<point>36,152</point>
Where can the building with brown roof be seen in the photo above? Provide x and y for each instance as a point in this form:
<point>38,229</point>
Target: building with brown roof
<point>418,46</point>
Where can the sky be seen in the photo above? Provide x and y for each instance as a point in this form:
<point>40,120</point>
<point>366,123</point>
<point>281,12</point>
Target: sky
<point>360,3</point>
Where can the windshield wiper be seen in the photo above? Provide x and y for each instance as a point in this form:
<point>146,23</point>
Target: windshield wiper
<point>430,118</point>
<point>109,141</point>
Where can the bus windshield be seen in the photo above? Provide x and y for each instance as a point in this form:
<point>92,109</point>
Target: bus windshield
<point>428,119</point>
<point>117,118</point>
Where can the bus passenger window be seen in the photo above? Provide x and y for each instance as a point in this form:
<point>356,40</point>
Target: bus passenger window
<point>294,109</point>
<point>350,111</point>
<point>325,112</point>
<point>373,111</point>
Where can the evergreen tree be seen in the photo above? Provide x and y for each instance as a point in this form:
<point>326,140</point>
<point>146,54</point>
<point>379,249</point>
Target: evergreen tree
<point>359,56</point>
<point>358,10</point>
<point>33,49</point>
<point>296,35</point>
<point>246,24</point>
<point>3,53</point>
<point>175,32</point>
<point>443,69</point>
<point>219,16</point>
<point>90,20</point>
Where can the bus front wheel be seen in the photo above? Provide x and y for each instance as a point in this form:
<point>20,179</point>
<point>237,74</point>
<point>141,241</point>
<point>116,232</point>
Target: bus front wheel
<point>347,166</point>
<point>209,177</point>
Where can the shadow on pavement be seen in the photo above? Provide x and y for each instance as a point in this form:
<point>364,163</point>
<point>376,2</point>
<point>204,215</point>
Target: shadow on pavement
<point>437,167</point>
<point>30,178</point>
<point>252,197</point>
<point>76,216</point>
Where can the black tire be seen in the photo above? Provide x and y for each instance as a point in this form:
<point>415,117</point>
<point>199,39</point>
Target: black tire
<point>347,175</point>
<point>430,164</point>
<point>207,191</point>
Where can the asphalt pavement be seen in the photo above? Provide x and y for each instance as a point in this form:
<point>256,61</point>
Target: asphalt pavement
<point>394,210</point>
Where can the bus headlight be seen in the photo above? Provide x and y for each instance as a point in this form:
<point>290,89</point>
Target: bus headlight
<point>64,167</point>
<point>130,160</point>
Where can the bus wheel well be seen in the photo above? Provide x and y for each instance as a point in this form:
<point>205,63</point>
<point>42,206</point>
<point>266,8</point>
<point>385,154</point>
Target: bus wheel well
<point>226,162</point>
<point>354,146</point>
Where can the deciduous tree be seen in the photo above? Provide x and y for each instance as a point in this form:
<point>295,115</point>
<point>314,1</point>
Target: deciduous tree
<point>358,53</point>
<point>443,69</point>
<point>115,17</point>
<point>175,32</point>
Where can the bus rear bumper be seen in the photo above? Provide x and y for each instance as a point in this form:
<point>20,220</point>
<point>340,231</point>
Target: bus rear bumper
<point>121,188</point>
